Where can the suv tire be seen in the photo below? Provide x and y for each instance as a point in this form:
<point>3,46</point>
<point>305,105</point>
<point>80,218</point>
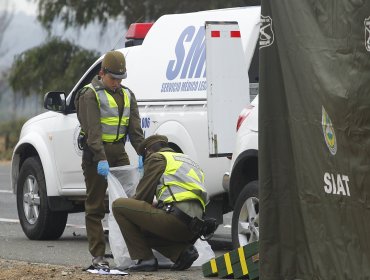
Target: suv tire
<point>245,220</point>
<point>37,220</point>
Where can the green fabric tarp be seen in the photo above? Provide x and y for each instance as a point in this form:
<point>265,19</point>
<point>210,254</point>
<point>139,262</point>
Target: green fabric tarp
<point>314,139</point>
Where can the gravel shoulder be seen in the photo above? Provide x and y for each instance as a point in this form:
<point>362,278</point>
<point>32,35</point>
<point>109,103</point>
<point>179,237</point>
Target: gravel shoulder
<point>20,270</point>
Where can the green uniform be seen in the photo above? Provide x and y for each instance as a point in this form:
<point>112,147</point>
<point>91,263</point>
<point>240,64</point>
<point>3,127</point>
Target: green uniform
<point>144,227</point>
<point>88,114</point>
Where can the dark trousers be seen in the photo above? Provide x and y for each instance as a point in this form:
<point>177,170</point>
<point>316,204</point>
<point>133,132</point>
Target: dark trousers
<point>145,227</point>
<point>96,187</point>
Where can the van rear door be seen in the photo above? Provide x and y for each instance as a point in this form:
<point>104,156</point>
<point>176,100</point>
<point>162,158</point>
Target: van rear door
<point>227,84</point>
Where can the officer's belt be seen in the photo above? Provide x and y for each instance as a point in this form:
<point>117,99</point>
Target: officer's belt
<point>114,142</point>
<point>177,212</point>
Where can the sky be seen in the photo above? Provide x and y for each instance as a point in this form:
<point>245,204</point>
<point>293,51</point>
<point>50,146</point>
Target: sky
<point>24,32</point>
<point>25,6</point>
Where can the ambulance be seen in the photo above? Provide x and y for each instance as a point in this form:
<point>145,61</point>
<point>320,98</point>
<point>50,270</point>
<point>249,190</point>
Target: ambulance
<point>167,73</point>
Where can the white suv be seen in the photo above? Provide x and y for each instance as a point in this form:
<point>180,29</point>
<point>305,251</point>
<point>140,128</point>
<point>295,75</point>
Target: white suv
<point>242,180</point>
<point>166,71</point>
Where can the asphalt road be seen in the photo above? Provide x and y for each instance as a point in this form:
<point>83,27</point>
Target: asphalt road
<point>70,249</point>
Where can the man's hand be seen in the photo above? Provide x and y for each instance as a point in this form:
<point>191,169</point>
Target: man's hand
<point>103,168</point>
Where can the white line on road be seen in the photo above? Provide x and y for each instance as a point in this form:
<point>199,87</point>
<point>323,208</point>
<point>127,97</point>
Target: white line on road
<point>16,221</point>
<point>76,226</point>
<point>5,191</point>
<point>9,220</point>
<point>82,226</point>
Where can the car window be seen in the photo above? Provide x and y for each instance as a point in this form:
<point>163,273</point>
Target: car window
<point>254,66</point>
<point>88,78</point>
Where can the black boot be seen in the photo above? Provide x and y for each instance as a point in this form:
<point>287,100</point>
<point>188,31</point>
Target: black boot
<point>145,265</point>
<point>186,259</point>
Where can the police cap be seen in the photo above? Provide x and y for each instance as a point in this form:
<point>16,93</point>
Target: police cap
<point>151,140</point>
<point>114,63</point>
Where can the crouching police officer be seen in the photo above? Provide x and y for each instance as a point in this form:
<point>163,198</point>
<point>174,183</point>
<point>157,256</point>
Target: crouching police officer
<point>107,112</point>
<point>169,226</point>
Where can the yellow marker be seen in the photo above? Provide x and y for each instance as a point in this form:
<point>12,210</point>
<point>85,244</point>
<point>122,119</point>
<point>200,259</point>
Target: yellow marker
<point>229,268</point>
<point>213,266</point>
<point>243,263</point>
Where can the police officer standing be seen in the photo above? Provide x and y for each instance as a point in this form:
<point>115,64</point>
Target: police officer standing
<point>107,113</point>
<point>178,184</point>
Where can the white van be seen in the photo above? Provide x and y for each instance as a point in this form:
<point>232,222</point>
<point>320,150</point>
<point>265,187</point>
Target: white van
<point>166,71</point>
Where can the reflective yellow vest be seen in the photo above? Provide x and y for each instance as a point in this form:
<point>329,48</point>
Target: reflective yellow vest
<point>109,114</point>
<point>182,180</point>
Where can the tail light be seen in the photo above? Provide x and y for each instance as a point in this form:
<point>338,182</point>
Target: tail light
<point>243,115</point>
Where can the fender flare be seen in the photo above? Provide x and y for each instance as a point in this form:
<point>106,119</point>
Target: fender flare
<point>37,142</point>
<point>178,135</point>
<point>245,170</point>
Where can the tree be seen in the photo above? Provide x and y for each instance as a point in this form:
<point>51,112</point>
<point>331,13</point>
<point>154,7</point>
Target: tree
<point>54,65</point>
<point>81,13</point>
<point>5,19</point>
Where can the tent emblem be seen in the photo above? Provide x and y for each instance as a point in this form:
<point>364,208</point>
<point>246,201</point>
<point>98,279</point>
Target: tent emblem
<point>266,32</point>
<point>367,33</point>
<point>329,134</point>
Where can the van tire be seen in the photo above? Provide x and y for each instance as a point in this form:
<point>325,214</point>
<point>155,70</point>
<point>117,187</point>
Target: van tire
<point>37,220</point>
<point>245,225</point>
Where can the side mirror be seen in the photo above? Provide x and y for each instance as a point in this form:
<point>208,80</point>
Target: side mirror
<point>55,101</point>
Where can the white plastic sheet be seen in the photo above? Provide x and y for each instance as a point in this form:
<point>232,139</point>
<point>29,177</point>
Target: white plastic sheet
<point>122,182</point>
<point>128,177</point>
<point>116,190</point>
<point>106,272</point>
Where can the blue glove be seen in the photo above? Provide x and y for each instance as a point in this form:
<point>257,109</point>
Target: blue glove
<point>141,167</point>
<point>103,168</point>
<point>141,163</point>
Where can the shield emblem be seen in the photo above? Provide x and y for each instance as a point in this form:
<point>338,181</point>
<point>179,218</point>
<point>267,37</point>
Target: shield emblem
<point>367,33</point>
<point>328,131</point>
<point>266,32</point>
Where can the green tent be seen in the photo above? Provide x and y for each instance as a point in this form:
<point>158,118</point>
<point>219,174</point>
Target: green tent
<point>314,139</point>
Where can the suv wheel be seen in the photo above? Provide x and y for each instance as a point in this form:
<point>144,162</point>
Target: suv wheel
<point>37,220</point>
<point>245,221</point>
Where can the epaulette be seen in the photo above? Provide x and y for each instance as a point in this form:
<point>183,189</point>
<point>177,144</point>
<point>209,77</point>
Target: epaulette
<point>126,88</point>
<point>82,90</point>
<point>98,87</point>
